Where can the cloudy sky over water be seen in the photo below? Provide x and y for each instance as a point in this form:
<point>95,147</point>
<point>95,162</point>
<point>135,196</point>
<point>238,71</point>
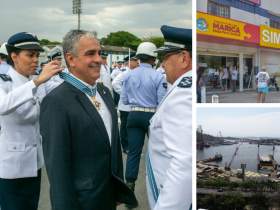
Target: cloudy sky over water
<point>240,122</point>
<point>52,19</point>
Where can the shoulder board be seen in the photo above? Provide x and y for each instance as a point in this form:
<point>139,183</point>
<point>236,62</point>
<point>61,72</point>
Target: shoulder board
<point>5,77</point>
<point>122,69</point>
<point>186,82</point>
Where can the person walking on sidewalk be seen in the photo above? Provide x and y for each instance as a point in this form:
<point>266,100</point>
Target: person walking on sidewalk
<point>262,82</point>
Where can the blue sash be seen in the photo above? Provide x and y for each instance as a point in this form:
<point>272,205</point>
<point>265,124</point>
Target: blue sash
<point>78,84</point>
<point>151,177</point>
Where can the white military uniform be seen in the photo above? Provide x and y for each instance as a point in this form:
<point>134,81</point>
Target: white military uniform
<point>162,71</point>
<point>21,152</point>
<point>117,86</point>
<point>170,148</point>
<point>115,73</point>
<point>105,76</point>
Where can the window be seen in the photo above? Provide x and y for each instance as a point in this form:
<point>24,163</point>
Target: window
<point>274,24</point>
<point>218,9</point>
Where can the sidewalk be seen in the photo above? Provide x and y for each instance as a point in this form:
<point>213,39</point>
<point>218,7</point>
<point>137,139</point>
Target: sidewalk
<point>246,97</point>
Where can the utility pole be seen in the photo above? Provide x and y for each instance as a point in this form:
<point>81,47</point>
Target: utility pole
<point>77,9</point>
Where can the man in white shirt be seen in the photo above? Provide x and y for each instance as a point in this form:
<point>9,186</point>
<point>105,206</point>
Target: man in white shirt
<point>105,76</point>
<point>114,74</point>
<point>234,78</point>
<point>79,127</point>
<point>262,83</point>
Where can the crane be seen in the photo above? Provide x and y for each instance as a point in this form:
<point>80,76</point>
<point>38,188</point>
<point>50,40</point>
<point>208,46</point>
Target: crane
<point>227,167</point>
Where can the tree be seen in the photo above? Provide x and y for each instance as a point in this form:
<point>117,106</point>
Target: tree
<point>157,40</point>
<point>121,39</point>
<point>233,185</point>
<point>258,200</point>
<point>199,183</point>
<point>43,42</point>
<point>244,185</point>
<point>224,202</point>
<point>208,183</point>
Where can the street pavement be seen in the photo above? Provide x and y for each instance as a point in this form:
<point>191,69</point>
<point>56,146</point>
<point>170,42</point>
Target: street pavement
<point>244,193</point>
<point>245,97</point>
<point>140,190</point>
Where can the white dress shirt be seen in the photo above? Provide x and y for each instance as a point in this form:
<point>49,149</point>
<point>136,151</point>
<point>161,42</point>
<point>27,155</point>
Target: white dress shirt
<point>103,111</point>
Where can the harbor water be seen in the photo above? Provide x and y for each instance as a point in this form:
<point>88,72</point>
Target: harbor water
<point>246,153</point>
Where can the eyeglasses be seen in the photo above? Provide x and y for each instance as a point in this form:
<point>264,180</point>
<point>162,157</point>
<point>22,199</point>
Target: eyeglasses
<point>165,58</point>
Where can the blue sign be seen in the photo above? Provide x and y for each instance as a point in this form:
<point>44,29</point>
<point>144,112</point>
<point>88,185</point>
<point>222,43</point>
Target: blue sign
<point>257,2</point>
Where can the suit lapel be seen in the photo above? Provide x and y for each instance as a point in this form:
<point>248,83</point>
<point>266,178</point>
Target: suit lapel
<point>91,110</point>
<point>111,109</point>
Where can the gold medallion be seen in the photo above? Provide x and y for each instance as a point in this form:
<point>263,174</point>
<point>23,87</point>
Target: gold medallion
<point>95,102</point>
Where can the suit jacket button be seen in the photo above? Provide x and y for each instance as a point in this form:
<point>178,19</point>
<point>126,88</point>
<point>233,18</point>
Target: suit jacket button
<point>34,102</point>
<point>33,123</point>
<point>161,186</point>
<point>15,147</point>
<point>34,145</point>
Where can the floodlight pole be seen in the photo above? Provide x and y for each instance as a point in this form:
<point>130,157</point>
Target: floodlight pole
<point>77,9</point>
<point>79,21</point>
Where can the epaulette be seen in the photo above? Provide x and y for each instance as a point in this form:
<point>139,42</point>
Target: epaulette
<point>186,82</point>
<point>123,69</point>
<point>5,77</point>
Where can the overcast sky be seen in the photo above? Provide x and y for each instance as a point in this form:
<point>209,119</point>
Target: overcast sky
<point>52,19</point>
<point>240,122</point>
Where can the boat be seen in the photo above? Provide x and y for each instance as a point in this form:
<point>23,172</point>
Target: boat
<point>217,157</point>
<point>266,161</point>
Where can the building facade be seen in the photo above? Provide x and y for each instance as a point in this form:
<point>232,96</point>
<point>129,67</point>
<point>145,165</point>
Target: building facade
<point>244,34</point>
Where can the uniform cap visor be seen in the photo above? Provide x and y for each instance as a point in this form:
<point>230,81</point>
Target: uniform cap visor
<point>11,48</point>
<point>167,49</point>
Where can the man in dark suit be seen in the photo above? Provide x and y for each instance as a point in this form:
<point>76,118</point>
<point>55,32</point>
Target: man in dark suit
<point>79,127</point>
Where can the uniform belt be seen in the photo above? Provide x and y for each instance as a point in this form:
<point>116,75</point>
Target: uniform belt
<point>141,109</point>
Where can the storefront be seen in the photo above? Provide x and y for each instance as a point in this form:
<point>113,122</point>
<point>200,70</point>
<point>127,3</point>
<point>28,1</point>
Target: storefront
<point>227,44</point>
<point>270,51</point>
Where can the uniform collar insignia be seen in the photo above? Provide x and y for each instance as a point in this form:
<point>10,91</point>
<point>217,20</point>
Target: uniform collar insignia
<point>186,82</point>
<point>5,77</point>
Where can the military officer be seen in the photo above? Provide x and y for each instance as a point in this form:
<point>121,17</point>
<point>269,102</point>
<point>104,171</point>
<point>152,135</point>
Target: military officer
<point>169,153</point>
<point>105,75</point>
<point>4,67</point>
<point>143,90</point>
<point>21,156</point>
<point>124,109</point>
<point>114,74</point>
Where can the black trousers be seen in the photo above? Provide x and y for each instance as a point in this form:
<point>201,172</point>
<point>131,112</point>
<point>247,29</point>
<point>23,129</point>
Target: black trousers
<point>123,130</point>
<point>137,127</point>
<point>116,97</point>
<point>20,194</point>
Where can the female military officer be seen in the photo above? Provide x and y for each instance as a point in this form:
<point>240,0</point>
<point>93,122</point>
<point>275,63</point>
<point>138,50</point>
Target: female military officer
<point>21,155</point>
